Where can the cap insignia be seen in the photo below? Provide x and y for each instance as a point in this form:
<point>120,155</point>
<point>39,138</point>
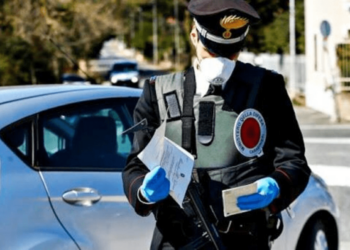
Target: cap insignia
<point>232,22</point>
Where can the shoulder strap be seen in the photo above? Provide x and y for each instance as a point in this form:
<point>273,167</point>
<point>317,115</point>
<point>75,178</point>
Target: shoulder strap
<point>253,76</point>
<point>188,134</point>
<point>242,89</point>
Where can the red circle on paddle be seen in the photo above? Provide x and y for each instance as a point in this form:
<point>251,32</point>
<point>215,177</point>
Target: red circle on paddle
<point>250,133</point>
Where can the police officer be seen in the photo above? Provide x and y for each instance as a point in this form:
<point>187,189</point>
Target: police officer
<point>242,130</point>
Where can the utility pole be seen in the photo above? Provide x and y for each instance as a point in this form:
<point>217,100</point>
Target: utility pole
<point>176,34</point>
<point>292,84</point>
<point>140,20</point>
<point>132,24</point>
<point>155,33</point>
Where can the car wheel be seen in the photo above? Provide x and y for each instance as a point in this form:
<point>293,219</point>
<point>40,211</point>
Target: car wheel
<point>315,236</point>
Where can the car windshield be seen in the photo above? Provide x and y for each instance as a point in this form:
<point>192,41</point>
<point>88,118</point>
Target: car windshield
<point>124,67</point>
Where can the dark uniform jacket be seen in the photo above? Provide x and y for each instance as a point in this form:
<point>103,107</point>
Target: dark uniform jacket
<point>283,150</point>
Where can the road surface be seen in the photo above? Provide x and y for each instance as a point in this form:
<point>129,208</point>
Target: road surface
<point>327,150</point>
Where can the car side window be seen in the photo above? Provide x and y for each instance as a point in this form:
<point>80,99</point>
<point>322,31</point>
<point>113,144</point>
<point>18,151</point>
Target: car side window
<point>17,137</point>
<point>87,135</point>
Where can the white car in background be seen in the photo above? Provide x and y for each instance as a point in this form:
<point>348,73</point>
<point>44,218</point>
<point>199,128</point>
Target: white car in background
<point>125,73</point>
<point>62,151</point>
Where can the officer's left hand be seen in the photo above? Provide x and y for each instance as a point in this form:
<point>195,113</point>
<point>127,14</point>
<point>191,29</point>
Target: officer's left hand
<point>267,191</point>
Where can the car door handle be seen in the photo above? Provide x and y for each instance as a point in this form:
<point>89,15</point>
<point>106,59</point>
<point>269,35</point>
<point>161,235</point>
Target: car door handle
<point>81,196</point>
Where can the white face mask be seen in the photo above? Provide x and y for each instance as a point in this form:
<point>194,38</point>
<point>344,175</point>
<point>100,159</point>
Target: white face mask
<point>216,70</point>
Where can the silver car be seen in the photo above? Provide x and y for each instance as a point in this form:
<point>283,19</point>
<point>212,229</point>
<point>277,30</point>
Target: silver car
<point>61,154</point>
<point>311,222</point>
<point>125,72</point>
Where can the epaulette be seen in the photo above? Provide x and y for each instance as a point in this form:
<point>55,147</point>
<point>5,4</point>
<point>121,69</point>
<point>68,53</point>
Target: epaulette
<point>152,80</point>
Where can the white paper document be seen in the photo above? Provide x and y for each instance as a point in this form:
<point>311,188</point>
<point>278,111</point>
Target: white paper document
<point>176,161</point>
<point>230,196</point>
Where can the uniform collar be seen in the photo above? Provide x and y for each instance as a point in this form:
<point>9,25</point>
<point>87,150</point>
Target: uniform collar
<point>202,85</point>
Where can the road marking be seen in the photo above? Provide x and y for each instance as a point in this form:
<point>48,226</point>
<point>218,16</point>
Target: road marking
<point>327,140</point>
<point>333,175</point>
<point>324,126</point>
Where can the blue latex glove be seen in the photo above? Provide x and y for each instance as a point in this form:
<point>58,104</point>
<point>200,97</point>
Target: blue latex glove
<point>155,186</point>
<point>267,191</point>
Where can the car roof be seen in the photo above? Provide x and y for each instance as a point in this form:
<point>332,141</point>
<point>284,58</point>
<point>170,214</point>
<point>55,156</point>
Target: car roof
<point>17,102</point>
<point>16,93</point>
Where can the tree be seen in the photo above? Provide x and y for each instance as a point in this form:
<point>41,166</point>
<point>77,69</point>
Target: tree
<point>53,32</point>
<point>139,18</point>
<point>271,34</point>
<point>40,39</point>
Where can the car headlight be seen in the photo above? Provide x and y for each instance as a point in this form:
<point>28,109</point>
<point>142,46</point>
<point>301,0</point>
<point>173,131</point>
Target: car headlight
<point>134,79</point>
<point>114,79</point>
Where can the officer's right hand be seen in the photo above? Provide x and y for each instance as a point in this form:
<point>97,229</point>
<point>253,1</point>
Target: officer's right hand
<point>155,186</point>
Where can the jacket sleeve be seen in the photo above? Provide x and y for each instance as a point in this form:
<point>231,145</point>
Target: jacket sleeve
<point>135,171</point>
<point>288,151</point>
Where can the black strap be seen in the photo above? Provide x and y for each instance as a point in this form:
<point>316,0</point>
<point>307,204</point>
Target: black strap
<point>243,86</point>
<point>254,79</point>
<point>188,135</point>
<point>206,122</point>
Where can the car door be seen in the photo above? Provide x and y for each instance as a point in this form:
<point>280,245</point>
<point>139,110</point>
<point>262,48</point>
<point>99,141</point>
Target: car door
<point>82,152</point>
<point>26,217</point>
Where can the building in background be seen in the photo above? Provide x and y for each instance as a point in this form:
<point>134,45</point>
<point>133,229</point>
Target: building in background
<point>327,36</point>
